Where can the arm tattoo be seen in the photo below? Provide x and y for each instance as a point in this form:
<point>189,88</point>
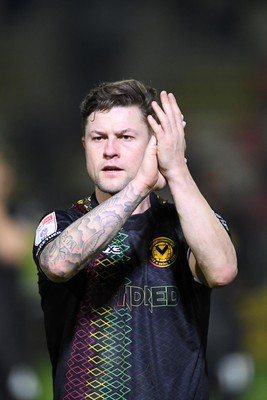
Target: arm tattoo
<point>85,238</point>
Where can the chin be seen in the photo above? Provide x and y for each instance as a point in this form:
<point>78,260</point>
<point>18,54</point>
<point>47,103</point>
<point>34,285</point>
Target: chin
<point>110,190</point>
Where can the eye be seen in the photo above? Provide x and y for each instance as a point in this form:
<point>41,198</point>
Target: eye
<point>97,138</point>
<point>126,138</point>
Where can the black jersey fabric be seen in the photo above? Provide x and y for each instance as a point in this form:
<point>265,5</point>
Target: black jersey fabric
<point>133,324</point>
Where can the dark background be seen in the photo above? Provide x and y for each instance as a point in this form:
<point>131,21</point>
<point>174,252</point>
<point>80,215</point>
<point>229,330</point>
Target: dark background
<point>213,56</point>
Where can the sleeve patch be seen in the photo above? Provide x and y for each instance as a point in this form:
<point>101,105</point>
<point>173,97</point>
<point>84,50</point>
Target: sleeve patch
<point>47,227</point>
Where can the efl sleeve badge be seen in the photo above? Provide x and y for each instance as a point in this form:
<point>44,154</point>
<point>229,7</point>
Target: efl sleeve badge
<point>47,227</point>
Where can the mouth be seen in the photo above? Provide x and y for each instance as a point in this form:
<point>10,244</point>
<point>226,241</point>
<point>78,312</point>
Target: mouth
<point>111,169</point>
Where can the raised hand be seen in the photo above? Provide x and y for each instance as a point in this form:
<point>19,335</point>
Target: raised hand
<point>170,135</point>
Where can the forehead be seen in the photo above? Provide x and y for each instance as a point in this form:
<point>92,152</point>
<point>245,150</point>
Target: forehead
<point>118,118</point>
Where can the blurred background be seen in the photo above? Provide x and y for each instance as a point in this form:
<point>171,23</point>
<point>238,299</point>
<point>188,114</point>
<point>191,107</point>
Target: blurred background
<point>213,55</point>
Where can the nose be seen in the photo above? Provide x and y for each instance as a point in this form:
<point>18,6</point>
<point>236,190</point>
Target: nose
<point>111,148</point>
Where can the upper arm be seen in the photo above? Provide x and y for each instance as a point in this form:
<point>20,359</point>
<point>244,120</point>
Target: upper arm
<point>49,228</point>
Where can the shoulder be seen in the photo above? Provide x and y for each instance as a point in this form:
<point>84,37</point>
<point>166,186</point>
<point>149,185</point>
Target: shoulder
<point>85,204</point>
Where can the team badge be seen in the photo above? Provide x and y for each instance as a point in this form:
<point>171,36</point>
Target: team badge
<point>162,252</point>
<point>47,227</point>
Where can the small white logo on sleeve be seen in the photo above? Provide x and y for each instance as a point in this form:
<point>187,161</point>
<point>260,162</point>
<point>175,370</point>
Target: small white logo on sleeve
<point>47,227</point>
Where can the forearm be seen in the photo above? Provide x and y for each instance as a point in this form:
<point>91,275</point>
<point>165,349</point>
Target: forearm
<point>214,254</point>
<point>214,260</point>
<point>84,239</point>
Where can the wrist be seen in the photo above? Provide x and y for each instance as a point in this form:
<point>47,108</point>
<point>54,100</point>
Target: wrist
<point>139,188</point>
<point>180,174</point>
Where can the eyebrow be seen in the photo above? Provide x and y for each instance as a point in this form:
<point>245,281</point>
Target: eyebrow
<point>128,130</point>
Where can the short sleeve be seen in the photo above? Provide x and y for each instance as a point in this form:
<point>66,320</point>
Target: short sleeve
<point>50,226</point>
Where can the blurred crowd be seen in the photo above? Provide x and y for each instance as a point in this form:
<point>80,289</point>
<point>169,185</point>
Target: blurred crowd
<point>18,378</point>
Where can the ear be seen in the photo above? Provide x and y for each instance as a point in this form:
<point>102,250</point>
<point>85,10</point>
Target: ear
<point>83,141</point>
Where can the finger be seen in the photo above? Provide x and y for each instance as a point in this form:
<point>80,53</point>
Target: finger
<point>176,110</point>
<point>158,110</point>
<point>169,115</point>
<point>167,123</point>
<point>172,111</point>
<point>152,141</point>
<point>173,103</point>
<point>154,125</point>
<point>165,101</point>
<point>169,107</point>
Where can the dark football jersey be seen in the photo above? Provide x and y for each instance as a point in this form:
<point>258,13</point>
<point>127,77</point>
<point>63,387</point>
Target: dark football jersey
<point>133,324</point>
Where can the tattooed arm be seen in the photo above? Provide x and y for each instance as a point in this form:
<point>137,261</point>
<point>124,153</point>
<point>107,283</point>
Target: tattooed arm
<point>88,236</point>
<point>85,238</point>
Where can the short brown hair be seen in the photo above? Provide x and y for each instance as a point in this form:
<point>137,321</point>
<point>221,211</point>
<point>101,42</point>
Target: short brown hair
<point>122,93</point>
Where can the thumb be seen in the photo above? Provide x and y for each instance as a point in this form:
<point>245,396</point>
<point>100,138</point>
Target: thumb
<point>152,145</point>
<point>152,149</point>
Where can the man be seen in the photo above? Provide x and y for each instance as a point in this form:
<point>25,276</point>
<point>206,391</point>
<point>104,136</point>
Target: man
<point>125,278</point>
